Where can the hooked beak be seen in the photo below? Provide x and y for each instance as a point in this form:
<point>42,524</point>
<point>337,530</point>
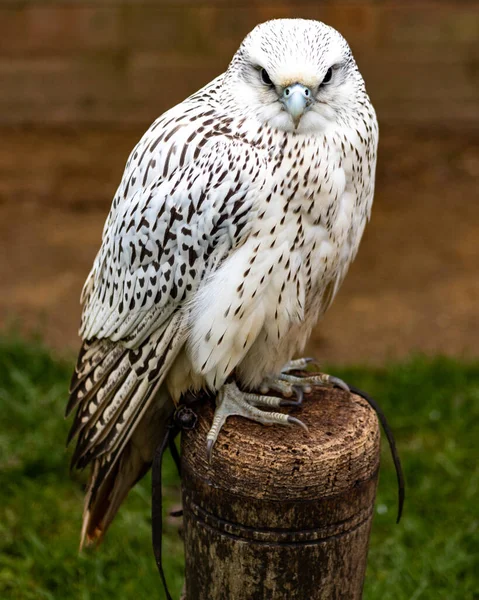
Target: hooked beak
<point>296,99</point>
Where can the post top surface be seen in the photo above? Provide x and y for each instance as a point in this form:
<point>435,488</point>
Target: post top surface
<point>341,450</point>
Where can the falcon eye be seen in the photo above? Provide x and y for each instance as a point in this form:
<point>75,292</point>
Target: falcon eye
<point>265,78</point>
<point>328,76</point>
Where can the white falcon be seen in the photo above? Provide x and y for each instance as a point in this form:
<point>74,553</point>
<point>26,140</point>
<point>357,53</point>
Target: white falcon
<point>237,217</point>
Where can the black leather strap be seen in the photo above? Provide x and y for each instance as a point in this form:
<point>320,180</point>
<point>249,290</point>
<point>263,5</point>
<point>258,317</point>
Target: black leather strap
<point>392,446</point>
<point>157,501</point>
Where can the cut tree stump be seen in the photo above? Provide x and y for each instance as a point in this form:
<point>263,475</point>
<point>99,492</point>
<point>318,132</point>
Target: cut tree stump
<point>280,514</point>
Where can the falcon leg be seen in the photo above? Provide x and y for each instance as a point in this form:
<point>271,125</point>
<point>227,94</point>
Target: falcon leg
<point>287,384</point>
<point>298,364</point>
<point>232,401</point>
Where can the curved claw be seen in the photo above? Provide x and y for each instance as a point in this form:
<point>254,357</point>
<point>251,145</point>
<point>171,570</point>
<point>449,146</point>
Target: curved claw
<point>339,383</point>
<point>209,449</point>
<point>298,390</point>
<point>294,421</point>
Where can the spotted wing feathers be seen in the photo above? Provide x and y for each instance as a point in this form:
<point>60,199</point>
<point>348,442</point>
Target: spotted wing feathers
<point>172,224</point>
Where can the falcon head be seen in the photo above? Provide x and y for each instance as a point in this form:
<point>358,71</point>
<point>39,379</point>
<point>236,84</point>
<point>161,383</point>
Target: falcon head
<point>295,75</point>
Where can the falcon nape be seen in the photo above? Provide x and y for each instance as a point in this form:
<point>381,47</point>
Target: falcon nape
<point>237,217</point>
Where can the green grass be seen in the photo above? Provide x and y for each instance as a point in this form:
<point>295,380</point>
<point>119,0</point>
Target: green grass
<point>433,406</point>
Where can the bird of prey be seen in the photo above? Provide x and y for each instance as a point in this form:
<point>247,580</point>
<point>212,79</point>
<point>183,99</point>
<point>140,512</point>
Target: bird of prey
<point>235,222</point>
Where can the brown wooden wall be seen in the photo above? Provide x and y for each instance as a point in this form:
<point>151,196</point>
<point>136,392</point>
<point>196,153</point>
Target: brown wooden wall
<point>122,62</point>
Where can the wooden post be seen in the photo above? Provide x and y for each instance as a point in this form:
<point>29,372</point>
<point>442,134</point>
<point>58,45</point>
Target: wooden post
<point>280,514</point>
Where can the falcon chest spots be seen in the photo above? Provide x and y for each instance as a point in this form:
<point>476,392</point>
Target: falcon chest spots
<point>310,209</point>
<point>308,185</point>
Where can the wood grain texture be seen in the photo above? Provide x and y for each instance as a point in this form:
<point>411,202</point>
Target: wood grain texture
<point>279,514</point>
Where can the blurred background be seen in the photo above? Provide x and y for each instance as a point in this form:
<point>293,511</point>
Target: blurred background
<point>80,81</point>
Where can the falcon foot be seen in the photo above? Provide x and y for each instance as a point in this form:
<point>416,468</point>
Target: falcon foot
<point>232,401</point>
<point>288,385</point>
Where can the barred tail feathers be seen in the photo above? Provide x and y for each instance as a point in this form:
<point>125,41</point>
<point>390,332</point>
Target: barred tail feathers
<point>105,494</point>
<point>122,407</point>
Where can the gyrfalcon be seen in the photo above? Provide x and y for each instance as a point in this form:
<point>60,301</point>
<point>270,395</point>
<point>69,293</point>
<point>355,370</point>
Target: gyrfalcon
<point>235,222</point>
